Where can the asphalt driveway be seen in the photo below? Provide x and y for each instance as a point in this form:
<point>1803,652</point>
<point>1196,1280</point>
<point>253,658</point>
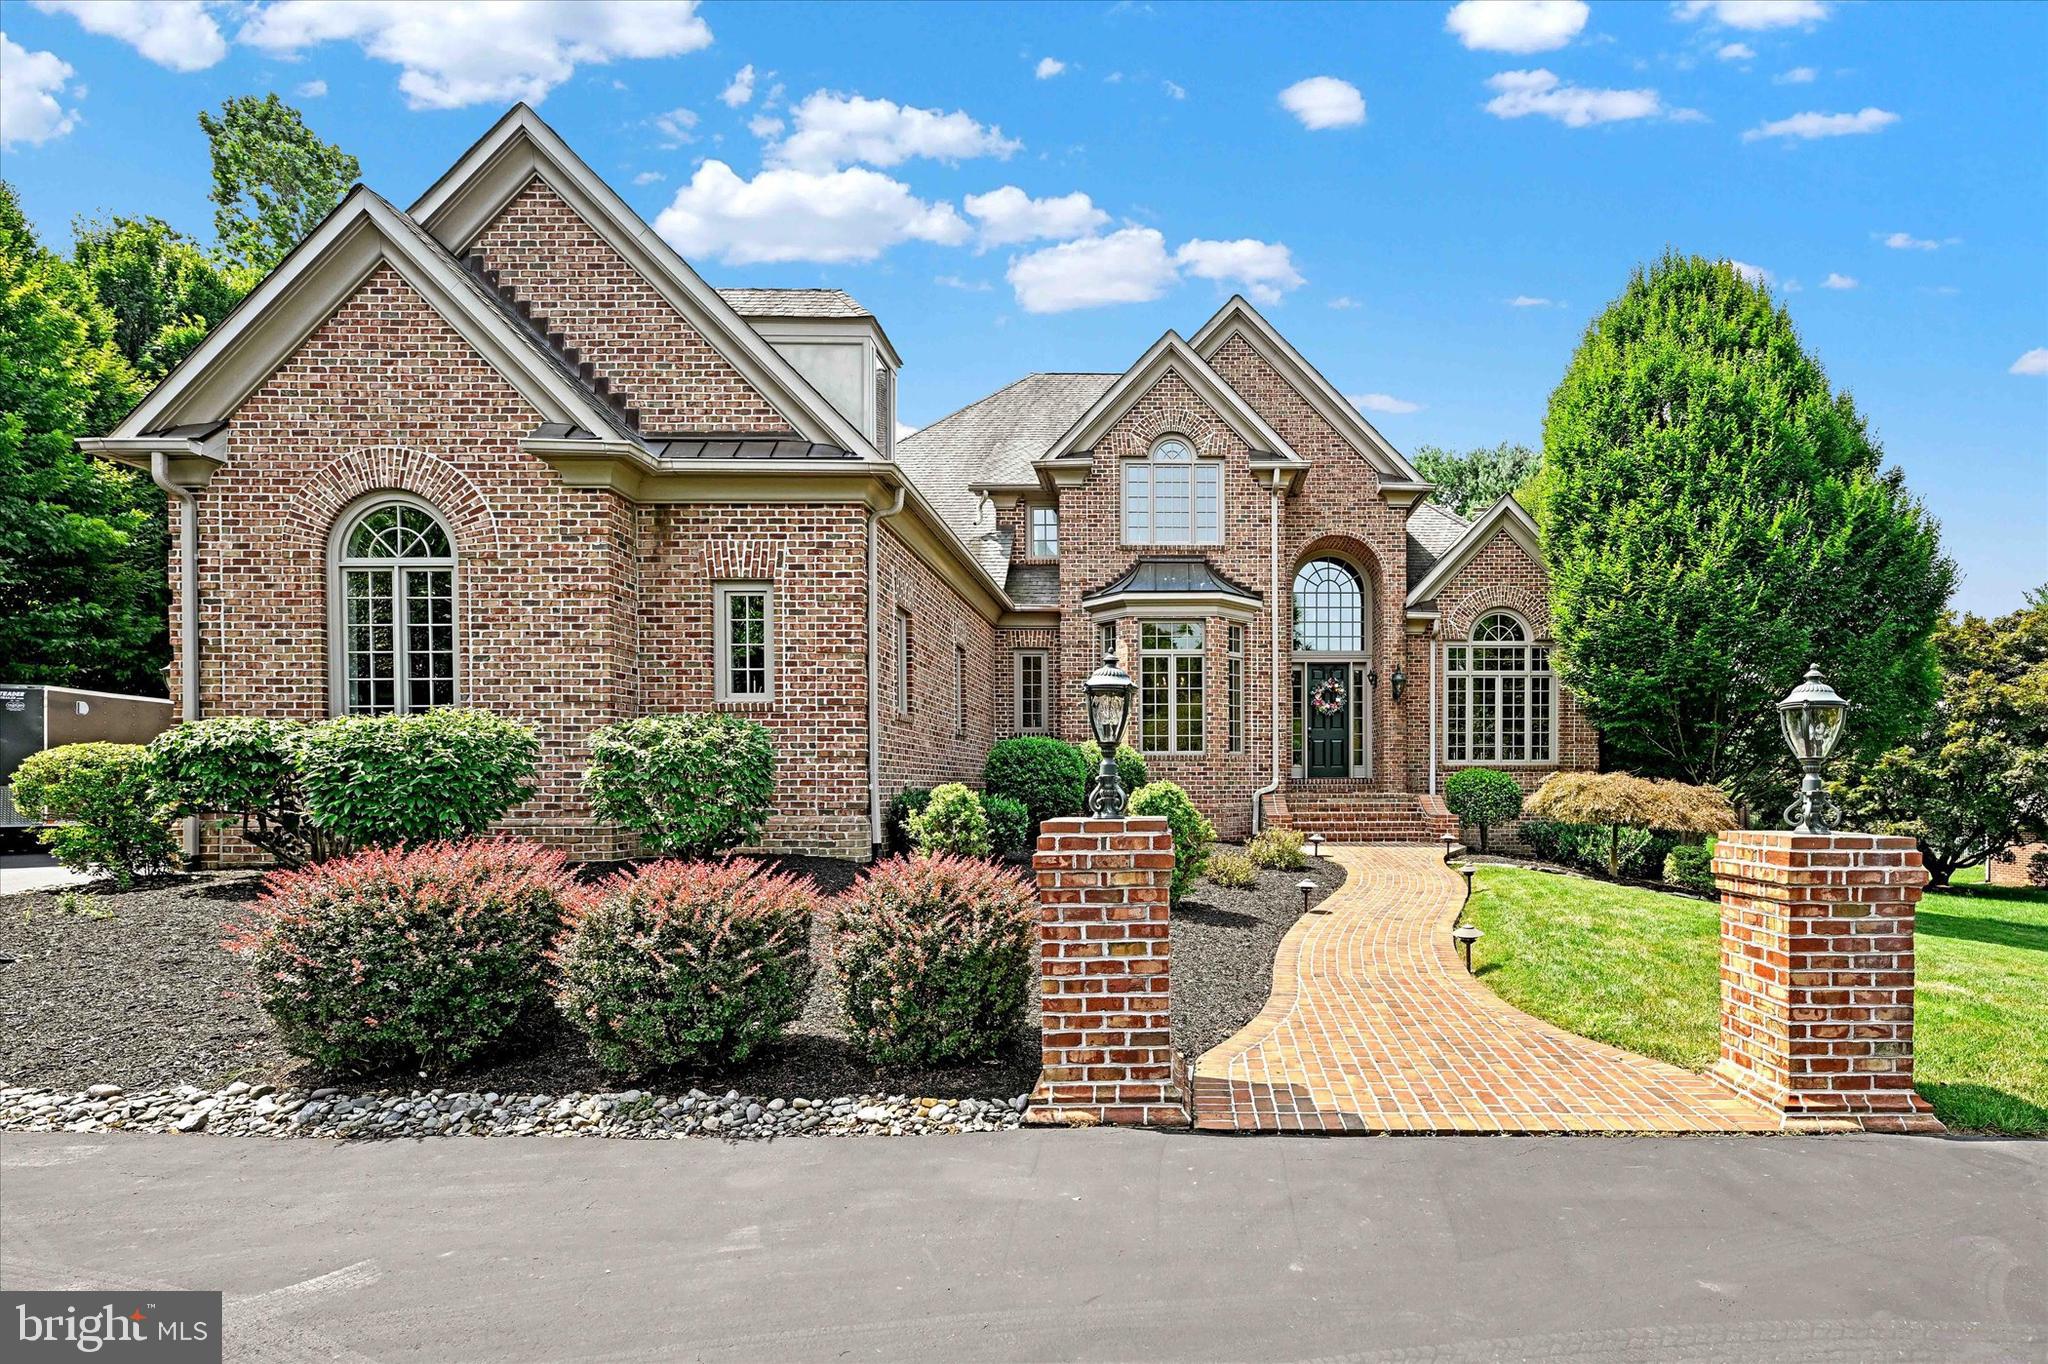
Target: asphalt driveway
<point>1058,1245</point>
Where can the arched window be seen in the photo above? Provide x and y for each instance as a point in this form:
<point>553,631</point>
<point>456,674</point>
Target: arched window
<point>395,584</point>
<point>1173,498</point>
<point>1500,695</point>
<point>1329,608</point>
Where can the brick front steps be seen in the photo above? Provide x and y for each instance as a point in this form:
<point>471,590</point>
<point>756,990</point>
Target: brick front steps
<point>1345,812</point>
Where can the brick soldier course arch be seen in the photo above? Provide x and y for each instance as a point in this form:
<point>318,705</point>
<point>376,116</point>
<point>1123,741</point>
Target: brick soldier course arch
<point>372,469</point>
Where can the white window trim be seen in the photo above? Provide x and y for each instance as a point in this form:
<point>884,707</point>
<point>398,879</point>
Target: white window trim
<point>338,563</point>
<point>1548,676</point>
<point>1234,717</point>
<point>959,690</point>
<point>1044,658</point>
<point>1150,461</point>
<point>722,642</point>
<point>902,661</point>
<point>1175,659</point>
<point>1037,546</point>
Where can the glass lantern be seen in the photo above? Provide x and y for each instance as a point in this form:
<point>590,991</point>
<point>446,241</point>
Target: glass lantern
<point>1109,690</point>
<point>1813,717</point>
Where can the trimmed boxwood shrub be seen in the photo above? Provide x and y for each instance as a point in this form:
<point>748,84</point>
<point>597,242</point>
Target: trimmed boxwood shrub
<point>380,780</point>
<point>686,961</point>
<point>1483,797</point>
<point>1009,825</point>
<point>1193,834</point>
<point>1047,776</point>
<point>1131,772</point>
<point>1279,849</point>
<point>1691,865</point>
<point>904,804</point>
<point>952,821</point>
<point>1233,871</point>
<point>425,957</point>
<point>112,821</point>
<point>692,785</point>
<point>935,958</point>
<point>246,766</point>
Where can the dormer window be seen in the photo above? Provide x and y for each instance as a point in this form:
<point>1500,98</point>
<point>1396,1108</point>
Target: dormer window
<point>1045,532</point>
<point>1173,498</point>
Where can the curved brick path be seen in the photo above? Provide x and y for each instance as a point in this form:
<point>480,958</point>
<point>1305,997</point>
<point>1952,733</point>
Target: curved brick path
<point>1374,1026</point>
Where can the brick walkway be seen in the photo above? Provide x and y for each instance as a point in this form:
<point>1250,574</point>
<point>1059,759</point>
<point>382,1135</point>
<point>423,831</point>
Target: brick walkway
<point>1374,1026</point>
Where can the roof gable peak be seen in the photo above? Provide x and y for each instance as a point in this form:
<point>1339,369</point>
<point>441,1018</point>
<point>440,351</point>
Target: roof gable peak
<point>1170,353</point>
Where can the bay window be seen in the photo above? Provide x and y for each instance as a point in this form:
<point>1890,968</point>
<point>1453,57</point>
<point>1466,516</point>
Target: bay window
<point>1170,686</point>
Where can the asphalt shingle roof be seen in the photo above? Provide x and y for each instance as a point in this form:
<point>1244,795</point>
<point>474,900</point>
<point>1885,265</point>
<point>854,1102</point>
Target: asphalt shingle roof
<point>1034,584</point>
<point>1433,530</point>
<point>793,303</point>
<point>994,441</point>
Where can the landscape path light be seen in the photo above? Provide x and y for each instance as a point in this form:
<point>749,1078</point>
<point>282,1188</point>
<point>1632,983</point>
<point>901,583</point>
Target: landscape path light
<point>1466,935</point>
<point>1307,888</point>
<point>1315,846</point>
<point>1813,718</point>
<point>1108,690</point>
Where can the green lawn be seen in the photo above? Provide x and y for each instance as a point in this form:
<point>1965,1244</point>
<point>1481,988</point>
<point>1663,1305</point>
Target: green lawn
<point>1641,970</point>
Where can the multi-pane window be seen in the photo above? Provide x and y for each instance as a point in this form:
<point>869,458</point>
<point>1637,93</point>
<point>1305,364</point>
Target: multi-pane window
<point>1172,498</point>
<point>1031,678</point>
<point>902,661</point>
<point>1329,608</point>
<point>959,690</point>
<point>1045,532</point>
<point>745,642</point>
<point>396,569</point>
<point>1235,662</point>
<point>1170,686</point>
<point>1108,638</point>
<point>1499,695</point>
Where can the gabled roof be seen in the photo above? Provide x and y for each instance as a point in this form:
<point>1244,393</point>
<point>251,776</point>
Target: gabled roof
<point>1240,317</point>
<point>992,443</point>
<point>364,231</point>
<point>1433,531</point>
<point>519,147</point>
<point>1171,353</point>
<point>1505,515</point>
<point>793,303</point>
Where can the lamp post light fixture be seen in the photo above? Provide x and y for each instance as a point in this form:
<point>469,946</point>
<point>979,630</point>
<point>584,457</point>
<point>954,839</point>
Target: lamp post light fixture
<point>1466,935</point>
<point>1315,846</point>
<point>1108,690</point>
<point>1813,718</point>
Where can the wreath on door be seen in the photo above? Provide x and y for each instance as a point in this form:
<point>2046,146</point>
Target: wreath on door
<point>1329,698</point>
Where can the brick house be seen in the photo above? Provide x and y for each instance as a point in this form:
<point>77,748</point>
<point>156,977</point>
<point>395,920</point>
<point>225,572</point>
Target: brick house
<point>506,448</point>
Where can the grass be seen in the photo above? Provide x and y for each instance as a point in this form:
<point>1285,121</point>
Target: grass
<point>1641,970</point>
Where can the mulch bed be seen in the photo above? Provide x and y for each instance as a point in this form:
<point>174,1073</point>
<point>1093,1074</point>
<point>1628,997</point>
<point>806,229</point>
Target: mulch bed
<point>148,998</point>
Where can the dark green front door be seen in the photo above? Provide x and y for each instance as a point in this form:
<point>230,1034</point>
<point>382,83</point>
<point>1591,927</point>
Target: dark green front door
<point>1329,719</point>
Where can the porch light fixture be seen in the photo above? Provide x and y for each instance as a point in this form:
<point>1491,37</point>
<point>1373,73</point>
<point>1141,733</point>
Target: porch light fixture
<point>1315,846</point>
<point>1399,679</point>
<point>1813,718</point>
<point>1109,690</point>
<point>1466,935</point>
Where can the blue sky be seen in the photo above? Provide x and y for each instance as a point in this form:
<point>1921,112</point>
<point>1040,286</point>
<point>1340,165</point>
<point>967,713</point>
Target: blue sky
<point>1431,202</point>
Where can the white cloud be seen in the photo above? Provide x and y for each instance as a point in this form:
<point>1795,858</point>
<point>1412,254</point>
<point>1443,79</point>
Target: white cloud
<point>649,178</point>
<point>1798,75</point>
<point>30,83</point>
<point>1838,281</point>
<point>836,130</point>
<point>1265,270</point>
<point>1343,301</point>
<point>1516,25</point>
<point>677,127</point>
<point>1755,274</point>
<point>1735,52</point>
<point>785,214</point>
<point>179,34</point>
<point>314,89</point>
<point>2034,361</point>
<point>1048,67</point>
<point>764,126</point>
<point>1529,301</point>
<point>1382,402</point>
<point>1127,266</point>
<point>1174,89</point>
<point>454,55</point>
<point>1522,93</point>
<point>1810,126</point>
<point>970,286</point>
<point>905,429</point>
<point>1906,241</point>
<point>740,88</point>
<point>1755,14</point>
<point>1324,102</point>
<point>1009,215</point>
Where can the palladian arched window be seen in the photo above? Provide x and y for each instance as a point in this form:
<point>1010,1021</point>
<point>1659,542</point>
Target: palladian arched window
<point>1171,497</point>
<point>1329,608</point>
<point>1500,698</point>
<point>395,584</point>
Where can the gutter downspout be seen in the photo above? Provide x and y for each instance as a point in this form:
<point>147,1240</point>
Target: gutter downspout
<point>874,660</point>
<point>1273,594</point>
<point>1435,702</point>
<point>188,602</point>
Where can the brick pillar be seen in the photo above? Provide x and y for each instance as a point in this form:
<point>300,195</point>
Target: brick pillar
<point>1817,977</point>
<point>1103,947</point>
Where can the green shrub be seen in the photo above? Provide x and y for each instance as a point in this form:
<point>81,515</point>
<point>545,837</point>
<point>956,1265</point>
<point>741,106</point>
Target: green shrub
<point>902,806</point>
<point>1131,772</point>
<point>1691,865</point>
<point>1586,846</point>
<point>426,957</point>
<point>1483,797</point>
<point>952,821</point>
<point>111,820</point>
<point>246,766</point>
<point>1280,849</point>
<point>1009,826</point>
<point>686,961</point>
<point>1193,834</point>
<point>693,785</point>
<point>373,781</point>
<point>1232,870</point>
<point>935,958</point>
<point>1047,776</point>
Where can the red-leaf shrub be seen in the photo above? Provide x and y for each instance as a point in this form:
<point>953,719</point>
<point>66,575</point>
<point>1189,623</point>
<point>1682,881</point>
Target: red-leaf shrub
<point>935,957</point>
<point>686,961</point>
<point>425,957</point>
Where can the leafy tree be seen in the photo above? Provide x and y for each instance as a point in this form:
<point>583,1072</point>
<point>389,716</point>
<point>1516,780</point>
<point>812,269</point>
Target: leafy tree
<point>1471,482</point>
<point>1714,520</point>
<point>162,290</point>
<point>1974,780</point>
<point>273,179</point>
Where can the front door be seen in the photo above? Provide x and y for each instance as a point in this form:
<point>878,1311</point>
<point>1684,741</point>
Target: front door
<point>1329,719</point>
